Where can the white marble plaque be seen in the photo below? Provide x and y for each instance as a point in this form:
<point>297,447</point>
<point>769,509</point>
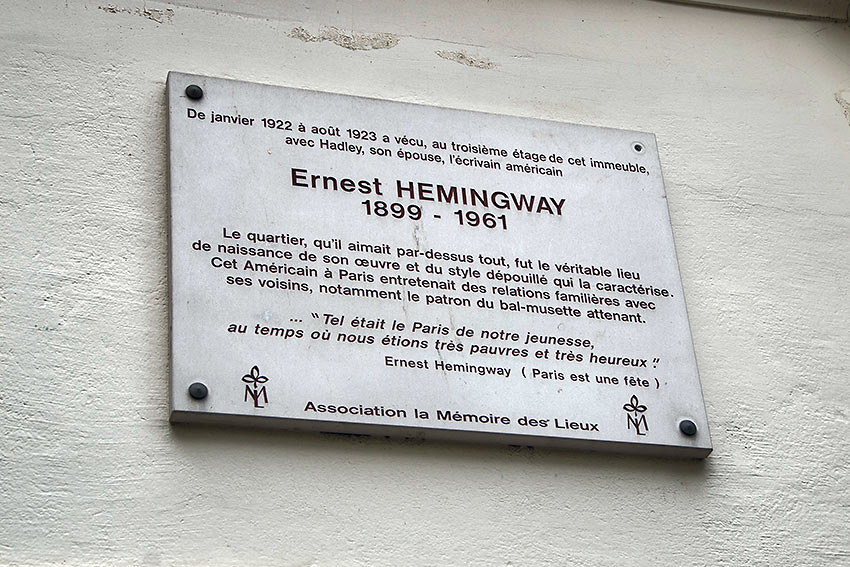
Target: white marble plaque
<point>364,266</point>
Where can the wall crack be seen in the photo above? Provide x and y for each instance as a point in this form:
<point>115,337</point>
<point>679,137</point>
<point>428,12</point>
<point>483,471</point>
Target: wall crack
<point>158,16</point>
<point>349,40</point>
<point>466,59</point>
<point>843,99</point>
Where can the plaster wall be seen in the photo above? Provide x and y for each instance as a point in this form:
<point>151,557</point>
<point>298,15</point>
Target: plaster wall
<point>752,115</point>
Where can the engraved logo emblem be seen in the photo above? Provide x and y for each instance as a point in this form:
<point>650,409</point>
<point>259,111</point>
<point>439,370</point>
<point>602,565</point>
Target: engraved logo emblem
<point>253,390</point>
<point>635,416</point>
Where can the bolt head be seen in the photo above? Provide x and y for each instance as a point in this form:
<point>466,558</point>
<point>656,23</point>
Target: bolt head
<point>198,391</point>
<point>688,427</point>
<point>194,92</point>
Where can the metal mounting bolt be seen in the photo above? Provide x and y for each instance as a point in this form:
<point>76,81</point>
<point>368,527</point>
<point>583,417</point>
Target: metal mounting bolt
<point>194,92</point>
<point>198,391</point>
<point>688,427</point>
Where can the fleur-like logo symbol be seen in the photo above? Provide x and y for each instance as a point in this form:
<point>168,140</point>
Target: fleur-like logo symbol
<point>634,416</point>
<point>634,405</point>
<point>252,387</point>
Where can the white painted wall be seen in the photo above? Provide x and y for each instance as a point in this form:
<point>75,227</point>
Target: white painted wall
<point>752,115</point>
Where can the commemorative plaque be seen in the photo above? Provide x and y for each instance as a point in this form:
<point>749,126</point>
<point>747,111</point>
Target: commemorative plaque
<point>364,266</point>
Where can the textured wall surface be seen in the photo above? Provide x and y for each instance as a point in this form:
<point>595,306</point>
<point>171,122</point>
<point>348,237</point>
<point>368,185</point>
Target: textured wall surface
<point>752,115</point>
